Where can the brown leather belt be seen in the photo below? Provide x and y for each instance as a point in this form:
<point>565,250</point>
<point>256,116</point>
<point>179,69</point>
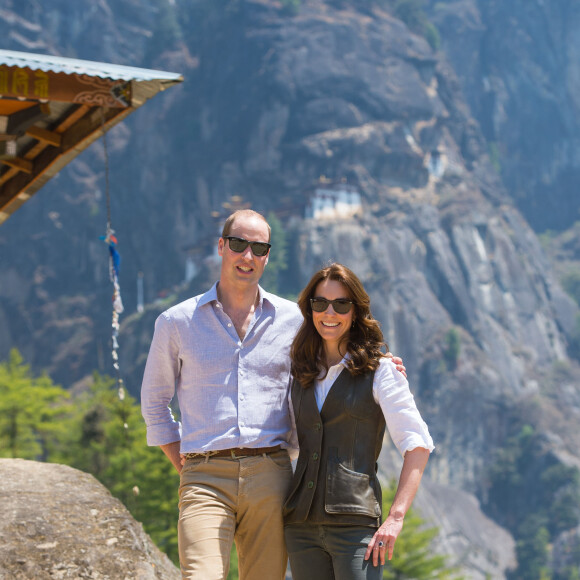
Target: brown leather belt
<point>236,452</point>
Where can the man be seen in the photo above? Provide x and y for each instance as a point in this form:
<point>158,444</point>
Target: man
<point>226,353</point>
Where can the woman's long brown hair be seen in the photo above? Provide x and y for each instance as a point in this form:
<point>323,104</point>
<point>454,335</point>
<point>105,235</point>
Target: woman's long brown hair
<point>364,342</point>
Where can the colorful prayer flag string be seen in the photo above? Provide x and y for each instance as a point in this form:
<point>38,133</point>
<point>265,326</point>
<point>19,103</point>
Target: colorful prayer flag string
<point>114,265</point>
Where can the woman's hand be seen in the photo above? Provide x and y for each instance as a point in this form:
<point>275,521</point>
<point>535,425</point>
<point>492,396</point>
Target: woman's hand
<point>398,362</point>
<point>383,542</point>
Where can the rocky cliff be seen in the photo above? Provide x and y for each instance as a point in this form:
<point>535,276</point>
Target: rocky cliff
<point>518,65</point>
<point>277,106</point>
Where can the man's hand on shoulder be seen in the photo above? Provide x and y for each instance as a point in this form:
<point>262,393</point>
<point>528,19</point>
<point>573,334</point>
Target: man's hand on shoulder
<point>398,362</point>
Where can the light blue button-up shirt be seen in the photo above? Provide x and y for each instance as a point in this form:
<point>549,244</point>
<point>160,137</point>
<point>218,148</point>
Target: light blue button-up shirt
<point>231,392</point>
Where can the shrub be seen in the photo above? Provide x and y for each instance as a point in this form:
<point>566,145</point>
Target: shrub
<point>412,13</point>
<point>571,284</point>
<point>452,348</point>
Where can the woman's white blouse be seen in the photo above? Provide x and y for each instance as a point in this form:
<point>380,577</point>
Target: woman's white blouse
<point>391,391</point>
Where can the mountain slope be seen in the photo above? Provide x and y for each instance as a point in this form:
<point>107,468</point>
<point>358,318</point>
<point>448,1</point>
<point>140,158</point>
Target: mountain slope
<point>276,105</point>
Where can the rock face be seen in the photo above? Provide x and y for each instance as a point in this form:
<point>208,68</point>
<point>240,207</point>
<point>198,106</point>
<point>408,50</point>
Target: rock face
<point>480,547</point>
<point>471,541</point>
<point>275,105</point>
<point>57,522</point>
<point>518,65</point>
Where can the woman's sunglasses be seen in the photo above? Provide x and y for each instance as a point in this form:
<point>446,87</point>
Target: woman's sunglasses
<point>339,305</point>
<point>238,245</point>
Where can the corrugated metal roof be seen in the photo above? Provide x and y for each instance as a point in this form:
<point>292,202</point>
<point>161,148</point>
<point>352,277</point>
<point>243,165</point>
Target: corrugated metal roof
<point>59,64</point>
<point>76,120</point>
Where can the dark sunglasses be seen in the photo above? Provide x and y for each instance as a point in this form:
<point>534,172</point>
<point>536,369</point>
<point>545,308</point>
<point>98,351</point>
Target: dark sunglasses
<point>239,245</point>
<point>339,305</point>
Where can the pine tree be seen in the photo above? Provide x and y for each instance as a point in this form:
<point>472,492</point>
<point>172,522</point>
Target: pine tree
<point>109,441</point>
<point>33,411</point>
<point>277,260</point>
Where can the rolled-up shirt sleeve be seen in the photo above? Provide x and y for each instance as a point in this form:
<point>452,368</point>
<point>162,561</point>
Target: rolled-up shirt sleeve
<point>159,382</point>
<point>406,427</point>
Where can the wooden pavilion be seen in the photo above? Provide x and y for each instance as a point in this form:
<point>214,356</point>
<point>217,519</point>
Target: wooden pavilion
<point>52,108</point>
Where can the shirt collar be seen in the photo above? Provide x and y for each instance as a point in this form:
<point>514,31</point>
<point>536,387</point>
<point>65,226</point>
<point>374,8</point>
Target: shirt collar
<point>263,296</point>
<point>271,299</point>
<point>209,296</point>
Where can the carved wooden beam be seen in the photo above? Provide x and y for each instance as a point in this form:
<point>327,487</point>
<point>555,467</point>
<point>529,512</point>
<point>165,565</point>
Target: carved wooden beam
<point>19,164</point>
<point>49,137</point>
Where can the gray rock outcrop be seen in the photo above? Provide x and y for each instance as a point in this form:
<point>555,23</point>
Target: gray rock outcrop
<point>58,523</point>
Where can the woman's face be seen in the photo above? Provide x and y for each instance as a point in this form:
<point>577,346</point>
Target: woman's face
<point>331,326</point>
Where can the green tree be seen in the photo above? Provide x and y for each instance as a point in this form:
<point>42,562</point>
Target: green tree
<point>109,441</point>
<point>452,348</point>
<point>413,557</point>
<point>571,284</point>
<point>412,13</point>
<point>532,549</point>
<point>574,341</point>
<point>495,157</point>
<point>98,433</point>
<point>233,571</point>
<point>535,496</point>
<point>277,260</point>
<point>33,411</point>
<point>562,485</point>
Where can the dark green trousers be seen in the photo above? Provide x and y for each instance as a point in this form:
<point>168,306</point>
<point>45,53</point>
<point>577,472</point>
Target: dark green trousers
<point>330,552</point>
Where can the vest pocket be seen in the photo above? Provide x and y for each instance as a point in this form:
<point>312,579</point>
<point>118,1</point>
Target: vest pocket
<point>349,492</point>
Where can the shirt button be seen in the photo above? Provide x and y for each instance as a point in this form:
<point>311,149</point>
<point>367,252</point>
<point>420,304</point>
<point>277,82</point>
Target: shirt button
<point>315,456</point>
<point>310,484</point>
<point>229,324</point>
<point>241,397</point>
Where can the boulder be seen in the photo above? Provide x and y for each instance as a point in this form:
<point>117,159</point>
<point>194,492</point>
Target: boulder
<point>57,523</point>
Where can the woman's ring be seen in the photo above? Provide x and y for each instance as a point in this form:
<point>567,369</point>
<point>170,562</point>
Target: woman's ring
<point>381,544</point>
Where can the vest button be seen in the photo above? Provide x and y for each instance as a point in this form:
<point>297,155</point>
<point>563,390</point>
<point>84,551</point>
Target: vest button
<point>310,484</point>
<point>315,456</point>
<point>318,426</point>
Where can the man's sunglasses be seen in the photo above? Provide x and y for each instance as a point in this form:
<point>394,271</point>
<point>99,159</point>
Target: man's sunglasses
<point>239,245</point>
<point>339,305</point>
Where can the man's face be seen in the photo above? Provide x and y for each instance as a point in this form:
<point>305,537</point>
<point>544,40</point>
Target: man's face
<point>243,269</point>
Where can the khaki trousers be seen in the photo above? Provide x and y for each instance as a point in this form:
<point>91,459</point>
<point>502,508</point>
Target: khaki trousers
<point>222,500</point>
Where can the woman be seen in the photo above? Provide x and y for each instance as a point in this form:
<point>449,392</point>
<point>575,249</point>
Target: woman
<point>344,390</point>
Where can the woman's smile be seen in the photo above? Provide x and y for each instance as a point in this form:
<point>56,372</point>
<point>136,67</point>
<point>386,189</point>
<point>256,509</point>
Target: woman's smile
<point>332,326</point>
